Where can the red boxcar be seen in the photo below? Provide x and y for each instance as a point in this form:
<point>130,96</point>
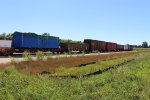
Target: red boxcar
<point>111,46</point>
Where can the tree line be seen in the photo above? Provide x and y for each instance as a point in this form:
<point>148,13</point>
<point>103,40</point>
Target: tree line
<point>5,36</point>
<point>143,45</point>
<point>8,36</point>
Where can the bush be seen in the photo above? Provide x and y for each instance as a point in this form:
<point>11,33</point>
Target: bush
<point>83,53</point>
<point>26,55</point>
<point>13,61</point>
<point>49,54</point>
<point>39,55</point>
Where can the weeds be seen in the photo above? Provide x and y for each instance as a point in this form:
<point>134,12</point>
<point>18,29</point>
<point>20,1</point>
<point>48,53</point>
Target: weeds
<point>128,82</point>
<point>49,54</point>
<point>83,53</point>
<point>13,60</point>
<point>40,55</point>
<point>50,64</point>
<point>92,69</point>
<point>26,55</point>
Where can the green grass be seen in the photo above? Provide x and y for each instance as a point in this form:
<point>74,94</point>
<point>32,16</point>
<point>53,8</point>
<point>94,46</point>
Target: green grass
<point>128,82</point>
<point>141,49</point>
<point>98,66</point>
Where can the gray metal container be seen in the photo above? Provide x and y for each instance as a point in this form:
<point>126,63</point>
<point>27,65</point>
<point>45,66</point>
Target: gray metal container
<point>5,43</point>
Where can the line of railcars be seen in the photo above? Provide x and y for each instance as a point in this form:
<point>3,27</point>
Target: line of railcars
<point>32,42</point>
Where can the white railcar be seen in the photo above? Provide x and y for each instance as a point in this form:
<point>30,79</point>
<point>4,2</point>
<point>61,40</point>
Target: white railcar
<point>5,43</point>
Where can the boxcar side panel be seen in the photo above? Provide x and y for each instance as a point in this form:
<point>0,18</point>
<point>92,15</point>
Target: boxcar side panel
<point>5,43</point>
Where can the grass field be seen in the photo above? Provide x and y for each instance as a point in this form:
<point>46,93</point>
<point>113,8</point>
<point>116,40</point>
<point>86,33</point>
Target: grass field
<point>51,65</point>
<point>125,81</point>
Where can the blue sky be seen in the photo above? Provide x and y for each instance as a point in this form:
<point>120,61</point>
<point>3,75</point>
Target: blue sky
<point>121,21</point>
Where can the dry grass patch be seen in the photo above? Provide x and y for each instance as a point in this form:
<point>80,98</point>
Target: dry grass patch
<point>51,64</point>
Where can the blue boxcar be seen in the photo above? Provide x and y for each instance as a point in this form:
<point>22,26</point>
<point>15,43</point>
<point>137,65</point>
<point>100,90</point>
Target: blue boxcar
<point>32,40</point>
<point>24,40</point>
<point>53,42</point>
<point>48,42</point>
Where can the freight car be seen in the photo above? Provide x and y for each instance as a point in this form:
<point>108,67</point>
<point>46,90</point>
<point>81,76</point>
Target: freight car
<point>128,47</point>
<point>111,46</point>
<point>33,42</point>
<point>5,47</point>
<point>101,46</point>
<point>120,47</point>
<point>74,47</point>
<point>95,45</point>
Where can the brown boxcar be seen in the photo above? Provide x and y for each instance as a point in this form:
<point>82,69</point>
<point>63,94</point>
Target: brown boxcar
<point>70,47</point>
<point>131,47</point>
<point>120,47</point>
<point>93,45</point>
<point>111,46</point>
<point>114,46</point>
<point>101,46</point>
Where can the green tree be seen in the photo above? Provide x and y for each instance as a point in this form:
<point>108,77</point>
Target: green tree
<point>8,36</point>
<point>69,41</point>
<point>145,44</point>
<point>3,36</point>
<point>45,34</point>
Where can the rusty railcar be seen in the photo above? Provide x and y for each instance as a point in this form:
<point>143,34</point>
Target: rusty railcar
<point>74,47</point>
<point>111,46</point>
<point>102,46</point>
<point>120,47</point>
<point>96,45</point>
<point>93,45</point>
